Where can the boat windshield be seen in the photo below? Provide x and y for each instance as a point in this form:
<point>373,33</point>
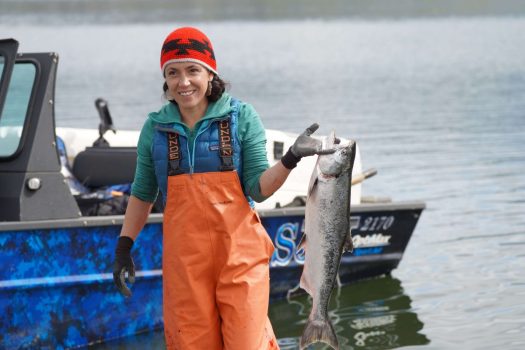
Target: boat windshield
<point>16,107</point>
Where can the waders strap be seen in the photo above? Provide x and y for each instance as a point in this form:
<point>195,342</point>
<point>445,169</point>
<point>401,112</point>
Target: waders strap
<point>173,154</point>
<point>225,145</point>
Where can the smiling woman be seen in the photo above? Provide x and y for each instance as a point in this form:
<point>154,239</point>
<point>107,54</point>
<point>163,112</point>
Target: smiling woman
<point>206,153</point>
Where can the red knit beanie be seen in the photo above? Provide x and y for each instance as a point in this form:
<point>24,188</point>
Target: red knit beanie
<point>188,44</point>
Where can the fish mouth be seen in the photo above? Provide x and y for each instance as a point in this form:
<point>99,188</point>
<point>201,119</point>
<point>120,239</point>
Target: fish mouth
<point>330,140</point>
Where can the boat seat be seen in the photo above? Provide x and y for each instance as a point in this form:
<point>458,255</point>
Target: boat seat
<point>105,166</point>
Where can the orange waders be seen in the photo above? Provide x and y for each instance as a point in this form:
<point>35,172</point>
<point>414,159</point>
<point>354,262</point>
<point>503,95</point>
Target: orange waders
<point>215,266</point>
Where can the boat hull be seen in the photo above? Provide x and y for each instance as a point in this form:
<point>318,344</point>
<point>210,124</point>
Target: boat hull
<point>56,285</point>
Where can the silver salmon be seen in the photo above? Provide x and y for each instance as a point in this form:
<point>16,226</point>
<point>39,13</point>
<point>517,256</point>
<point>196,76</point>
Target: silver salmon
<point>327,236</point>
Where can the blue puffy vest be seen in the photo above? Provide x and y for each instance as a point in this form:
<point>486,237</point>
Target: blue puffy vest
<point>206,149</point>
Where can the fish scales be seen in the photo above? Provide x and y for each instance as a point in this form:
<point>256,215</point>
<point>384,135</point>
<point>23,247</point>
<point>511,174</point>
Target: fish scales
<point>327,230</point>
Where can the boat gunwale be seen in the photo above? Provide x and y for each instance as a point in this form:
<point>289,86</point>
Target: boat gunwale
<point>111,220</point>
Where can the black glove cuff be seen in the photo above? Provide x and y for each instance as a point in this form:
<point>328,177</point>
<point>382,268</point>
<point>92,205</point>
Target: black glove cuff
<point>124,245</point>
<point>123,253</point>
<point>290,160</point>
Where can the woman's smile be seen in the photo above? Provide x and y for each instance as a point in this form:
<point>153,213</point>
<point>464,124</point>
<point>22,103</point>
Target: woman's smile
<point>186,93</point>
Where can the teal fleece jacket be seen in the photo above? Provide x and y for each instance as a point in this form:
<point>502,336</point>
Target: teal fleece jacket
<point>251,134</point>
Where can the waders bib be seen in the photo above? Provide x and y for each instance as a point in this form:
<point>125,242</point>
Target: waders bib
<point>215,266</point>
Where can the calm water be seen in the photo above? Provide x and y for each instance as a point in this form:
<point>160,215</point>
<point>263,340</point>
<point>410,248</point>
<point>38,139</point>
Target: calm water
<point>437,105</point>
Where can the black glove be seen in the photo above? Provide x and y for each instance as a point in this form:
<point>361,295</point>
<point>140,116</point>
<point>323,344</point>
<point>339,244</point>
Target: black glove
<point>123,263</point>
<point>304,146</point>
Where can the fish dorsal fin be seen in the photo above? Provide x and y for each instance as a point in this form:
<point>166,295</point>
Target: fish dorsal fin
<point>313,184</point>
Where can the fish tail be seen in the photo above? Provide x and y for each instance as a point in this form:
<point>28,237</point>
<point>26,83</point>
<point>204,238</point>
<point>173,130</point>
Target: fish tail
<point>319,330</point>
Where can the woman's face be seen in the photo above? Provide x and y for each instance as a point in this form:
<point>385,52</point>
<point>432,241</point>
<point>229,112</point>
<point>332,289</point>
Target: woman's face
<point>187,84</point>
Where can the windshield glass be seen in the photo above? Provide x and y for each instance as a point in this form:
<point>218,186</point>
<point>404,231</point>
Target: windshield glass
<point>15,107</point>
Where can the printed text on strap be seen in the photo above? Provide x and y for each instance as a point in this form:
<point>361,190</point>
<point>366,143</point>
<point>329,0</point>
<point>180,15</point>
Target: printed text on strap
<point>173,154</point>
<point>225,145</point>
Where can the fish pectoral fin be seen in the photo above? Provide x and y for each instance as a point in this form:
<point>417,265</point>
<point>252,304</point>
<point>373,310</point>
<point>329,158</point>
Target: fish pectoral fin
<point>349,243</point>
<point>313,179</point>
<point>312,185</point>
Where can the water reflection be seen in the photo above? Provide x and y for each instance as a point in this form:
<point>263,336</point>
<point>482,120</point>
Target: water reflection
<point>371,314</point>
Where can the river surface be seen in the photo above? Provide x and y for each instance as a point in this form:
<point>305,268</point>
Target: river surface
<point>436,103</point>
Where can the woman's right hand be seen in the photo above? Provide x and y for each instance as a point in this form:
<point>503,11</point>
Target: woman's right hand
<point>124,264</point>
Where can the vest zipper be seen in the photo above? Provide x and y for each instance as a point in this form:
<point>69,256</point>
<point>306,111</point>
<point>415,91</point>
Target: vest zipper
<point>192,159</point>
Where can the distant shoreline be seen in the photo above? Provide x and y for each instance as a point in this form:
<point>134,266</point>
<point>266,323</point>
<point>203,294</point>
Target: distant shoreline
<point>157,11</point>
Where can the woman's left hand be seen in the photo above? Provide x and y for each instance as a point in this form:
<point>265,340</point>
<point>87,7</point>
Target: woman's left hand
<point>305,145</point>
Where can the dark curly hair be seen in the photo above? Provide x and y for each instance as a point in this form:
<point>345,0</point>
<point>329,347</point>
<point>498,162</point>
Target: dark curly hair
<point>218,86</point>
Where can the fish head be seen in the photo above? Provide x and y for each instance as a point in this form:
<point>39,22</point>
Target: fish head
<point>341,160</point>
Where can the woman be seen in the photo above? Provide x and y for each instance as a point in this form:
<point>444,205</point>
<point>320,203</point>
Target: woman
<point>206,153</point>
